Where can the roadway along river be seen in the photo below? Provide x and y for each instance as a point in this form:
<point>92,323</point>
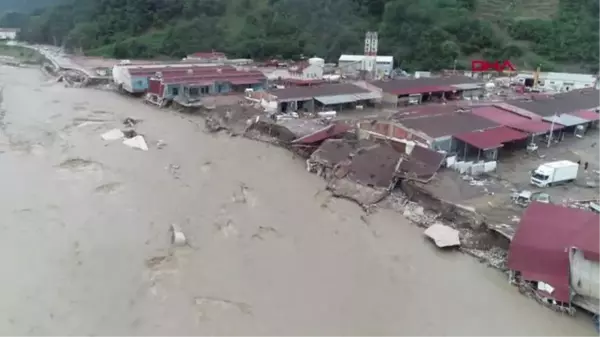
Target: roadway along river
<point>83,241</point>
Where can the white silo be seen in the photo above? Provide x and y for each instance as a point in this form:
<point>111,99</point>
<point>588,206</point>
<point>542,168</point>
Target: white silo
<point>318,66</point>
<point>316,61</point>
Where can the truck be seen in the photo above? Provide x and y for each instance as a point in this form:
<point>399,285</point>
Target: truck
<point>553,173</point>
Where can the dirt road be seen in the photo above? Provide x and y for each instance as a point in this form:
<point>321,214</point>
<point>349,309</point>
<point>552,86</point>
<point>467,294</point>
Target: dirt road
<point>83,237</point>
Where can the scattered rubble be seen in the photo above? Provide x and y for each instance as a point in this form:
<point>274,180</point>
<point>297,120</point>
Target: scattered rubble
<point>131,122</point>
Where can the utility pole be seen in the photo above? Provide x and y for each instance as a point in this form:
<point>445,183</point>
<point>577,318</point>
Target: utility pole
<point>551,129</point>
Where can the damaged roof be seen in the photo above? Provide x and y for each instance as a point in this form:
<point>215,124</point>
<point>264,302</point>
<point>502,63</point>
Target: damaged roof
<point>334,151</point>
<point>539,249</point>
<point>378,163</point>
<point>425,84</point>
<point>422,164</point>
<point>375,167</point>
<point>437,126</point>
<point>327,132</point>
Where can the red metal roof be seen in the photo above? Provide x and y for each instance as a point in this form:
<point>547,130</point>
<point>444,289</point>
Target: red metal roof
<point>420,90</point>
<point>513,120</point>
<point>539,249</point>
<point>211,79</point>
<point>491,138</point>
<point>241,81</point>
<point>141,71</point>
<point>586,114</point>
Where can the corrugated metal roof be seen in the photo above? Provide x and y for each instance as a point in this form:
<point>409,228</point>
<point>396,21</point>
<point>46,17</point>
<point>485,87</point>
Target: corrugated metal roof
<point>323,134</point>
<point>367,95</point>
<point>448,124</point>
<point>241,81</point>
<point>468,86</point>
<point>568,102</point>
<point>304,93</point>
<point>491,138</point>
<point>539,249</point>
<point>513,120</point>
<point>422,90</point>
<point>423,84</point>
<point>586,114</point>
<point>336,99</point>
<point>566,120</point>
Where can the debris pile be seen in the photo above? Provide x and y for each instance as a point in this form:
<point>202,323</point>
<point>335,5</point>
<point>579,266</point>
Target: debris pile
<point>130,136</point>
<point>417,214</point>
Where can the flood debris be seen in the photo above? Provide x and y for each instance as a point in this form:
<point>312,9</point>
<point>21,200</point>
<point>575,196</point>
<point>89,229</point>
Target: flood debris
<point>160,144</point>
<point>131,122</point>
<point>264,231</point>
<point>178,239</point>
<point>443,236</point>
<point>157,261</point>
<point>206,303</point>
<point>129,133</point>
<point>108,188</point>
<point>79,163</point>
<point>137,142</point>
<point>174,170</point>
<point>114,134</point>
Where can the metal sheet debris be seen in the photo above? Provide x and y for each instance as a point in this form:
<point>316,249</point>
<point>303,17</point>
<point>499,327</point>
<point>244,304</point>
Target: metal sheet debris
<point>114,134</point>
<point>443,236</point>
<point>137,142</point>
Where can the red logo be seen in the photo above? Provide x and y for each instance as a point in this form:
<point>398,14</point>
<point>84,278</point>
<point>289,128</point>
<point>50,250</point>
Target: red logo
<point>482,65</point>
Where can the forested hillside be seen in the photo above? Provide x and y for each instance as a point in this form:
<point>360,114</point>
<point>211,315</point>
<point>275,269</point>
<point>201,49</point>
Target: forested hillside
<point>25,5</point>
<point>423,34</point>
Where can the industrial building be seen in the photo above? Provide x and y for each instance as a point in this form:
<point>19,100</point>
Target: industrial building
<point>9,33</point>
<point>190,87</point>
<point>325,97</point>
<point>133,78</point>
<point>352,64</point>
<point>555,253</point>
<point>559,82</point>
<point>402,92</point>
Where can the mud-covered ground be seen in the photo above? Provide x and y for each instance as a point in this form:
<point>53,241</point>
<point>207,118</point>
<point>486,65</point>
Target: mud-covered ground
<point>84,237</point>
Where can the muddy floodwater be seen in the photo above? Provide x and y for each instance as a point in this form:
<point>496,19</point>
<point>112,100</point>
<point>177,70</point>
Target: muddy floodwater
<point>84,237</point>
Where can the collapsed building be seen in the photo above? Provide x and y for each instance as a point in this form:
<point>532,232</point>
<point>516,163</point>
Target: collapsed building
<point>366,171</point>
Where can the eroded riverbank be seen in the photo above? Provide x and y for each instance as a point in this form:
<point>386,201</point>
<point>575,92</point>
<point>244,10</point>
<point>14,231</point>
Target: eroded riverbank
<point>84,237</point>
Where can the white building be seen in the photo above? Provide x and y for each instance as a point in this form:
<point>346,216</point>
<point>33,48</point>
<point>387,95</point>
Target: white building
<point>559,81</point>
<point>8,33</point>
<point>349,64</point>
<point>307,71</point>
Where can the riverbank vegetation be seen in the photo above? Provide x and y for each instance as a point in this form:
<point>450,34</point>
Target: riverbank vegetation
<point>424,34</point>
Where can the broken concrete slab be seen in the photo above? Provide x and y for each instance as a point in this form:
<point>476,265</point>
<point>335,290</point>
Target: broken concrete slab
<point>443,236</point>
<point>137,142</point>
<point>114,134</point>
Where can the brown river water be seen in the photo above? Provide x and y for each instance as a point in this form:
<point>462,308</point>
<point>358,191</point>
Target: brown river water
<point>84,237</point>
